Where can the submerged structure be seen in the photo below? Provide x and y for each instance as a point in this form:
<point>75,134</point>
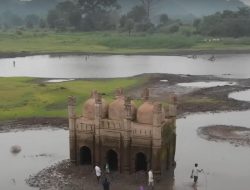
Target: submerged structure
<point>128,138</point>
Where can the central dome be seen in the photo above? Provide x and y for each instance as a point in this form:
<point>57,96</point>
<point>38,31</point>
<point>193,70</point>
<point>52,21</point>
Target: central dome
<point>117,109</point>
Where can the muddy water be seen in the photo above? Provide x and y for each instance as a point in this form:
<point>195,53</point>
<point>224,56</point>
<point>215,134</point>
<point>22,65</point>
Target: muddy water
<point>227,167</point>
<point>39,150</point>
<point>236,66</point>
<point>242,95</point>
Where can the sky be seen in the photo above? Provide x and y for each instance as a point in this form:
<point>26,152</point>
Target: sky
<point>246,1</point>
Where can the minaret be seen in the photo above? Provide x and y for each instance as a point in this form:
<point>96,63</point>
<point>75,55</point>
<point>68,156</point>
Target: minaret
<point>72,128</point>
<point>98,117</point>
<point>127,135</point>
<point>156,139</point>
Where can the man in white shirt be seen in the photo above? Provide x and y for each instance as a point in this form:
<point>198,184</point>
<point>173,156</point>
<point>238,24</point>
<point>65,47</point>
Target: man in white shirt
<point>195,173</point>
<point>150,179</point>
<point>98,173</point>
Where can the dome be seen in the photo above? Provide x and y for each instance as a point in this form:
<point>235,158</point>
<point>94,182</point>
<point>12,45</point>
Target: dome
<point>117,109</point>
<point>89,108</point>
<point>145,113</point>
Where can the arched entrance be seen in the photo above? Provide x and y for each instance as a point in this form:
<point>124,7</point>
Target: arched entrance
<point>85,156</point>
<point>112,160</point>
<point>140,162</point>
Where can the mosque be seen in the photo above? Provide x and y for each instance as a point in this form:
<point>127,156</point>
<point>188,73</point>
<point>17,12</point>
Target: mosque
<point>127,137</point>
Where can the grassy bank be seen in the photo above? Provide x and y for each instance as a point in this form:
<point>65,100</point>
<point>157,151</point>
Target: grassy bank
<point>29,97</point>
<point>112,42</point>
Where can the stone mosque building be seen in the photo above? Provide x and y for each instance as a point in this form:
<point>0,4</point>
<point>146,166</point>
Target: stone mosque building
<point>128,138</point>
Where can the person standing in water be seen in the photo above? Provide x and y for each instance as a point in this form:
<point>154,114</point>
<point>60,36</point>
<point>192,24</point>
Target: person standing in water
<point>195,173</point>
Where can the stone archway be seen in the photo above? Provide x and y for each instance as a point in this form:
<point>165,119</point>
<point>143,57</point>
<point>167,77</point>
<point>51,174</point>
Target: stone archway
<point>85,156</point>
<point>112,160</point>
<point>140,162</point>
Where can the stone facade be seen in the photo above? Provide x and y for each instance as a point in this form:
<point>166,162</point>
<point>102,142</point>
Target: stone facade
<point>128,138</point>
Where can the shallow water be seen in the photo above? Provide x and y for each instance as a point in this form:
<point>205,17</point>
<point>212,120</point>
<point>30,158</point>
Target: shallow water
<point>242,95</point>
<point>113,66</point>
<point>15,168</point>
<point>206,84</point>
<point>227,166</point>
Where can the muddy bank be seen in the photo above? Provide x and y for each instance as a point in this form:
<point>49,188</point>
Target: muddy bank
<point>169,52</point>
<point>238,136</point>
<point>33,123</point>
<point>66,176</point>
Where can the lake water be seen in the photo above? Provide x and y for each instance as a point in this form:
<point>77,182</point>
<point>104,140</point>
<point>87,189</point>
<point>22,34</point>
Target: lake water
<point>242,95</point>
<point>113,66</point>
<point>227,167</point>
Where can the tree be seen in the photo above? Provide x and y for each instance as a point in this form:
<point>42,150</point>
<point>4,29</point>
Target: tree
<point>129,26</point>
<point>148,6</point>
<point>31,20</point>
<point>138,14</point>
<point>164,19</point>
<point>90,6</point>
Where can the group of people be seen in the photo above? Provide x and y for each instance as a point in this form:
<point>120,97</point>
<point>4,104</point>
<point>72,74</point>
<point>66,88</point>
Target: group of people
<point>106,184</point>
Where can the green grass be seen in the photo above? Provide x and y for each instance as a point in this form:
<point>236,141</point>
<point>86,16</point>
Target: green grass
<point>29,97</point>
<point>110,42</point>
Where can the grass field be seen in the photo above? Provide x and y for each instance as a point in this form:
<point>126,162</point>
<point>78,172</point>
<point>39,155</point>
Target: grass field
<point>29,97</point>
<point>111,42</point>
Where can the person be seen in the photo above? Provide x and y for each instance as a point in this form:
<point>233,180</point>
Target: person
<point>98,172</point>
<point>195,173</point>
<point>105,184</point>
<point>150,179</point>
<point>107,168</point>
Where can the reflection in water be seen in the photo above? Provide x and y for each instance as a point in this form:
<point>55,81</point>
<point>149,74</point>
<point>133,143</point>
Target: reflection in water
<point>123,66</point>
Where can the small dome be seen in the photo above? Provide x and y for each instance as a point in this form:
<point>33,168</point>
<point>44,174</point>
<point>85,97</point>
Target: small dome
<point>89,108</point>
<point>117,109</point>
<point>145,113</point>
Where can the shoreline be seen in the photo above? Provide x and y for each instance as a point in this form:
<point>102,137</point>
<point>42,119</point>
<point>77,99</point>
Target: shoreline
<point>169,52</point>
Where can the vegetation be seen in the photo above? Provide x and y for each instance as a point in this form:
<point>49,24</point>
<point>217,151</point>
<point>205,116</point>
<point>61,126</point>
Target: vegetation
<point>29,97</point>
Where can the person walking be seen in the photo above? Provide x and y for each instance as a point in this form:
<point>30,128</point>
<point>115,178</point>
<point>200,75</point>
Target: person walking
<point>195,173</point>
<point>107,168</point>
<point>98,172</point>
<point>105,184</point>
<point>150,179</point>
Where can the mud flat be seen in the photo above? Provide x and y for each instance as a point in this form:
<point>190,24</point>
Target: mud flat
<point>236,135</point>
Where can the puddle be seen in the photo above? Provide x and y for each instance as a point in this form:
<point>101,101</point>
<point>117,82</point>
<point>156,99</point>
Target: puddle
<point>206,84</point>
<point>59,80</point>
<point>242,95</point>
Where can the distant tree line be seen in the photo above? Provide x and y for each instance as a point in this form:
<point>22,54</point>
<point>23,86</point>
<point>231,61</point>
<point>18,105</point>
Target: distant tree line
<point>225,24</point>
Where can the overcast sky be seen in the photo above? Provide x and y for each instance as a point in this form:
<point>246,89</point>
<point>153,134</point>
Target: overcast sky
<point>246,1</point>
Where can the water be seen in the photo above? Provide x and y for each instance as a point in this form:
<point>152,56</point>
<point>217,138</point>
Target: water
<point>206,84</point>
<point>242,95</point>
<point>228,166</point>
<point>53,143</point>
<point>113,66</point>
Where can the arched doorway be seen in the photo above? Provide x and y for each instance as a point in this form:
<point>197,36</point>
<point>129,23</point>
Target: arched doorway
<point>140,162</point>
<point>85,156</point>
<point>112,160</point>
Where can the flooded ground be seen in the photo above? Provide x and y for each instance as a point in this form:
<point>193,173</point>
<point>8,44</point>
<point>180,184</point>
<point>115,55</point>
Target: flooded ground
<point>40,148</point>
<point>226,166</point>
<point>242,95</point>
<point>113,66</point>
